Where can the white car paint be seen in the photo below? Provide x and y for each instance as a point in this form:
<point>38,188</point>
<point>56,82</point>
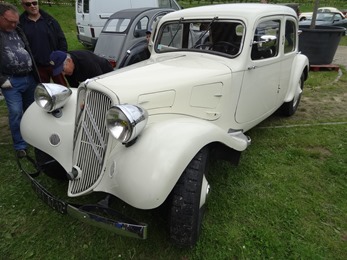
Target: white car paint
<point>193,98</point>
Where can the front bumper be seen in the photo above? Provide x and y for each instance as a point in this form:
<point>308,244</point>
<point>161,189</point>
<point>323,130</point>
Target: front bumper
<point>110,219</point>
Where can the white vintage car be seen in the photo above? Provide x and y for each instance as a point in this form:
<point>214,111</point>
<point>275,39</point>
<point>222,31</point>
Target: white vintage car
<point>145,133</point>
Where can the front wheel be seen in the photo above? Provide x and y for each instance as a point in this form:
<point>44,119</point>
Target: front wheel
<point>187,201</point>
<point>289,108</point>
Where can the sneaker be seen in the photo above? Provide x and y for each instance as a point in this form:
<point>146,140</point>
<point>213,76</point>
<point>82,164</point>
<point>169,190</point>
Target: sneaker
<point>21,154</point>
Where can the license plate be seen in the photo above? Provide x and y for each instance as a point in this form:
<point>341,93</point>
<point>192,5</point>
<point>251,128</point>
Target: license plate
<point>81,29</point>
<point>46,197</point>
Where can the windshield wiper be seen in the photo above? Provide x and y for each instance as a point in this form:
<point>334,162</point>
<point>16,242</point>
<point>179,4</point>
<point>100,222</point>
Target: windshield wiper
<point>208,29</point>
<point>173,37</point>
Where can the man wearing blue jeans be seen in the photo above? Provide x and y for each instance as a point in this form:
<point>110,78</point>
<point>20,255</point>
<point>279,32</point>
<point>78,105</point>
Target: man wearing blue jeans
<point>18,73</point>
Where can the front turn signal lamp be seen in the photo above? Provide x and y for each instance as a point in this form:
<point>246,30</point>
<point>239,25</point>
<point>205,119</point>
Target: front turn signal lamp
<point>126,122</point>
<point>51,96</point>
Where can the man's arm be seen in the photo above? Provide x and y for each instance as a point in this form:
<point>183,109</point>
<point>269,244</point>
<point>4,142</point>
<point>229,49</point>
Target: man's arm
<point>61,40</point>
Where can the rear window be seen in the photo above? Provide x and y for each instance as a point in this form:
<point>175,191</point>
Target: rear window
<point>117,25</point>
<point>82,6</point>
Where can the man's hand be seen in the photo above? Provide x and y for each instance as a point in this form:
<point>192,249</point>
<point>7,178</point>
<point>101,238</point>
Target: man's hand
<point>7,84</point>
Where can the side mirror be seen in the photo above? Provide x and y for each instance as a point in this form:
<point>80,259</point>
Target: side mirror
<point>266,41</point>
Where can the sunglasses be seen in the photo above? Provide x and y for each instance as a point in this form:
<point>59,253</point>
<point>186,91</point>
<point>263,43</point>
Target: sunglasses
<point>28,4</point>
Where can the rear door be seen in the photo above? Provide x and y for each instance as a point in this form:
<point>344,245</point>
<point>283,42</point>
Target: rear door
<point>82,17</point>
<point>91,16</point>
<point>82,20</point>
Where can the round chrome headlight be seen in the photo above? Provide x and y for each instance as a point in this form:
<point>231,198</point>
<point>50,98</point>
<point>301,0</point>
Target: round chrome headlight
<point>50,96</point>
<point>125,122</point>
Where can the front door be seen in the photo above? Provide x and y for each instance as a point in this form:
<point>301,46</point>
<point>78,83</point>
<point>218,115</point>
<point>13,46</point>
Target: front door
<point>260,87</point>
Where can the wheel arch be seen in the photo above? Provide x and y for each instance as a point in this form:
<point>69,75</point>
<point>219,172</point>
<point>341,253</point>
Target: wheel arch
<point>299,67</point>
<point>152,166</point>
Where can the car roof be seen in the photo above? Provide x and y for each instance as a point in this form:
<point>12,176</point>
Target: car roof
<point>134,12</point>
<point>331,13</point>
<point>250,11</point>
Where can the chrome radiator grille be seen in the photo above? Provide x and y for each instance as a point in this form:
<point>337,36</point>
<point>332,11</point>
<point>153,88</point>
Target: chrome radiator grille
<point>91,138</point>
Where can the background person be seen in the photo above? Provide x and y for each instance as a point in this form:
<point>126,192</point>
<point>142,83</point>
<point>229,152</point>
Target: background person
<point>77,66</point>
<point>148,36</point>
<point>44,35</point>
<point>18,74</point>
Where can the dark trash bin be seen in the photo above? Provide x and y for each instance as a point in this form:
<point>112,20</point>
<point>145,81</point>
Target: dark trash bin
<point>320,44</point>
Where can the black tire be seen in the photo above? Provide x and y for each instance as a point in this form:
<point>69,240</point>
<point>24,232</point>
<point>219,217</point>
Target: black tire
<point>185,213</point>
<point>50,166</point>
<point>289,108</point>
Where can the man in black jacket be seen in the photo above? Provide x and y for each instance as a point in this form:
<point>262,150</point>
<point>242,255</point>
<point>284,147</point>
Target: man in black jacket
<point>18,74</point>
<point>44,35</point>
<point>77,66</point>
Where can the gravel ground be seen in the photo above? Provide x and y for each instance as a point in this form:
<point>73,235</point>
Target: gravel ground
<point>341,56</point>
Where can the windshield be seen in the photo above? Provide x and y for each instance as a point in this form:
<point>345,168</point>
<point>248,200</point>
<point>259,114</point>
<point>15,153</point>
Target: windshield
<point>222,37</point>
<point>324,16</point>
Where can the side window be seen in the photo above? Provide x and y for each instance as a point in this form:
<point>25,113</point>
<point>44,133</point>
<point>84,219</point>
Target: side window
<point>290,37</point>
<point>141,27</point>
<point>168,4</point>
<point>337,17</point>
<point>266,40</point>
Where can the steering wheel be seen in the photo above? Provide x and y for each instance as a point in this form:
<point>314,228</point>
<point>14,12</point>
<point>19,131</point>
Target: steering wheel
<point>203,46</point>
<point>226,47</point>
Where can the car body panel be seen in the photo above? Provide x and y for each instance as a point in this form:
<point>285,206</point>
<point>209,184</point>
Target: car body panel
<point>165,167</point>
<point>61,128</point>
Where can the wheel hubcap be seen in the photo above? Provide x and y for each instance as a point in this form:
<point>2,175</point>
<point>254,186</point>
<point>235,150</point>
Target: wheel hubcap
<point>205,190</point>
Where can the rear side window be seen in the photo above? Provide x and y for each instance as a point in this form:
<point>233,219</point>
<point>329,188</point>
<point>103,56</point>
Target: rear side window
<point>169,4</point>
<point>141,27</point>
<point>290,37</point>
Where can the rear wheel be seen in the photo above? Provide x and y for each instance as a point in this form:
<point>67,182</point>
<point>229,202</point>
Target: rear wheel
<point>289,108</point>
<point>187,202</point>
<point>49,165</point>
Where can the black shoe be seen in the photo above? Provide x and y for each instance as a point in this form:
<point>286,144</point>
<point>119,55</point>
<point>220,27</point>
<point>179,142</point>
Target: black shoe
<point>21,154</point>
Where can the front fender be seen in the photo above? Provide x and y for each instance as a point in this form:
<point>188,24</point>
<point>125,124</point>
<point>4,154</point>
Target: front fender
<point>299,66</point>
<point>144,174</point>
<point>53,135</point>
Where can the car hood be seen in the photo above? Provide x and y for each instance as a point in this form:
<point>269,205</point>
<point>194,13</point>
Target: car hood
<point>170,72</point>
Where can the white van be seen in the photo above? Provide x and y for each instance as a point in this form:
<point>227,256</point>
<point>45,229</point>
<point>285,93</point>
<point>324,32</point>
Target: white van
<point>91,15</point>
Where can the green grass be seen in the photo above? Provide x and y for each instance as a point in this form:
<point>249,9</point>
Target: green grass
<point>343,41</point>
<point>286,199</point>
